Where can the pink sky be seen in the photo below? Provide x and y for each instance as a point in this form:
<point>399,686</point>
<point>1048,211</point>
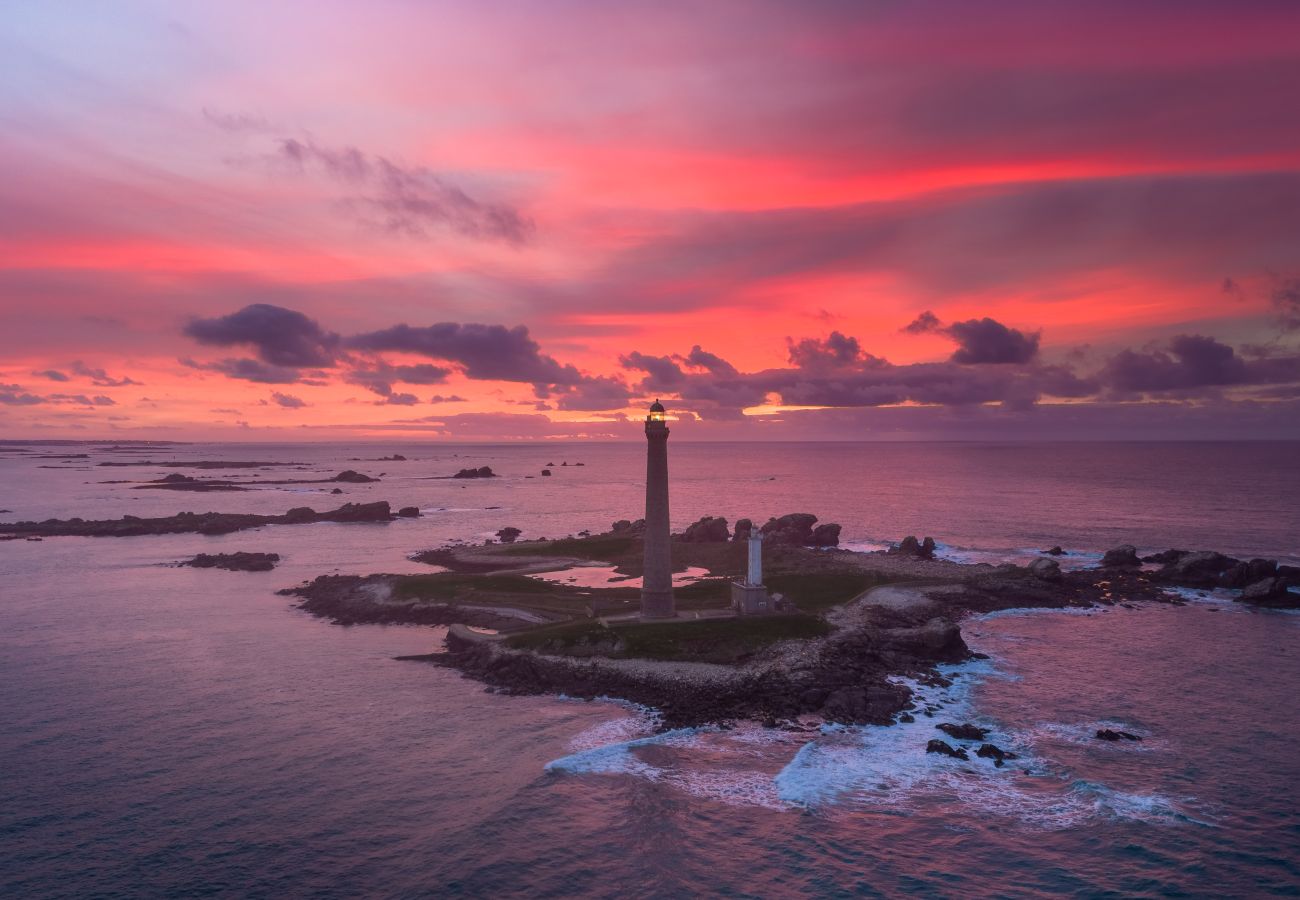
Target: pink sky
<point>312,220</point>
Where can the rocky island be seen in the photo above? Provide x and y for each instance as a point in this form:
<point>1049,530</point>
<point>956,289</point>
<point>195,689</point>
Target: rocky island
<point>852,624</point>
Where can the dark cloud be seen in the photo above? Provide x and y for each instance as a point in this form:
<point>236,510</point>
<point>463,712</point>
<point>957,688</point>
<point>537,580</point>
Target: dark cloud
<point>236,122</point>
<point>710,362</point>
<point>15,395</point>
<point>288,401</point>
<point>596,393</point>
<point>1286,299</point>
<point>396,399</point>
<point>662,373</point>
<point>99,377</point>
<point>450,398</point>
<point>486,352</point>
<point>282,337</point>
<point>247,370</point>
<point>52,375</point>
<point>379,377</point>
<point>831,352</point>
<point>926,323</point>
<point>988,341</point>
<point>1193,362</point>
<point>406,200</point>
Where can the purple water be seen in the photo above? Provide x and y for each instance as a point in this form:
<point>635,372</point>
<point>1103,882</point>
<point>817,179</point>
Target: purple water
<point>174,731</point>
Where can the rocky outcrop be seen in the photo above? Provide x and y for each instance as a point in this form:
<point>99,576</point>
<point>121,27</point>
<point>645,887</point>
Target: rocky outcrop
<point>508,534</point>
<point>796,530</point>
<point>995,753</point>
<point>910,546</point>
<point>1107,734</point>
<point>623,526</point>
<point>744,528</point>
<point>708,530</point>
<point>235,562</point>
<point>546,473</point>
<point>351,477</point>
<point>1055,551</point>
<point>178,482</point>
<point>409,512</point>
<point>196,523</point>
<point>1045,569</point>
<point>480,472</point>
<point>826,535</point>
<point>1122,557</point>
<point>963,732</point>
<point>1270,592</point>
<point>793,529</point>
<point>938,746</point>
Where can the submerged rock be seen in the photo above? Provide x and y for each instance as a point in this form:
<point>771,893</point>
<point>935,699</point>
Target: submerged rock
<point>1055,551</point>
<point>409,512</point>
<point>1107,734</point>
<point>480,472</point>
<point>995,753</point>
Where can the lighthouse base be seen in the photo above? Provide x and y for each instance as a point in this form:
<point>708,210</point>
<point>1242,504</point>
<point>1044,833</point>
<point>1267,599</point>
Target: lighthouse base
<point>658,605</point>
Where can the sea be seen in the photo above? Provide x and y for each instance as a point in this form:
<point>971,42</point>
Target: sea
<point>180,732</point>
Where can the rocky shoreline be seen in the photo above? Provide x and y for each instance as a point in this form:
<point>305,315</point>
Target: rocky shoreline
<point>200,523</point>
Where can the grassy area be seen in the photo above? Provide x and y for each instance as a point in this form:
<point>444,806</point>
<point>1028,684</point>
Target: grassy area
<point>819,591</point>
<point>604,547</point>
<point>707,640</point>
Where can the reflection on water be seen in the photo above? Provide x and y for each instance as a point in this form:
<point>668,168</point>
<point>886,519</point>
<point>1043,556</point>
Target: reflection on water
<point>606,576</point>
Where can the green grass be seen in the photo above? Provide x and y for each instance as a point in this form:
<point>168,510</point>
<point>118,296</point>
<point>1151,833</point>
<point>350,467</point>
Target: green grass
<point>455,585</point>
<point>819,591</point>
<point>706,640</point>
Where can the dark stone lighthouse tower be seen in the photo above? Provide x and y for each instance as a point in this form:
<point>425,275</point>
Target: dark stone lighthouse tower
<point>657,586</point>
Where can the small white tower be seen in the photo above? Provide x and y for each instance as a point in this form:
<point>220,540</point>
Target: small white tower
<point>755,574</point>
<point>749,597</point>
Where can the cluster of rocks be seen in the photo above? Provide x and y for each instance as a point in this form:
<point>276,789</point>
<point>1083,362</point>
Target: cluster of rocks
<point>971,733</point>
<point>351,477</point>
<point>1262,581</point>
<point>480,472</point>
<point>178,482</point>
<point>235,562</point>
<point>627,527</point>
<point>910,546</point>
<point>1109,734</point>
<point>508,534</point>
<point>200,523</point>
<point>792,529</point>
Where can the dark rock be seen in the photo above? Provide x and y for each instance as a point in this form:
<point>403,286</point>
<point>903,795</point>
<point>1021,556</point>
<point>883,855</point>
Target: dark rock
<point>1164,557</point>
<point>1248,573</point>
<point>1045,569</point>
<point>708,530</point>
<point>938,746</point>
<point>352,477</point>
<point>623,526</point>
<point>744,527</point>
<point>963,732</point>
<point>1201,568</point>
<point>546,473</point>
<point>995,753</point>
<point>1122,557</point>
<point>826,535</point>
<point>1055,551</point>
<point>480,472</point>
<point>1107,734</point>
<point>337,491</point>
<point>235,562</point>
<point>1270,592</point>
<point>910,546</point>
<point>508,534</point>
<point>793,529</point>
<point>409,512</point>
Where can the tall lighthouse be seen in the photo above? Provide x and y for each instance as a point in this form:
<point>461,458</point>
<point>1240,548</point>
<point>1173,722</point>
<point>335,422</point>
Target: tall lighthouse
<point>657,585</point>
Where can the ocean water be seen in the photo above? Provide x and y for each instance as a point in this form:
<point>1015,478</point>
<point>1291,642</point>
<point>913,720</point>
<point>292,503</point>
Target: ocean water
<point>178,732</point>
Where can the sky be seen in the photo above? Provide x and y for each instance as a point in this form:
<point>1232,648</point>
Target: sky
<point>316,219</point>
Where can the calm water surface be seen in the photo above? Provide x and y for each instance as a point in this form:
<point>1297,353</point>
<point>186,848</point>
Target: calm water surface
<point>180,732</point>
